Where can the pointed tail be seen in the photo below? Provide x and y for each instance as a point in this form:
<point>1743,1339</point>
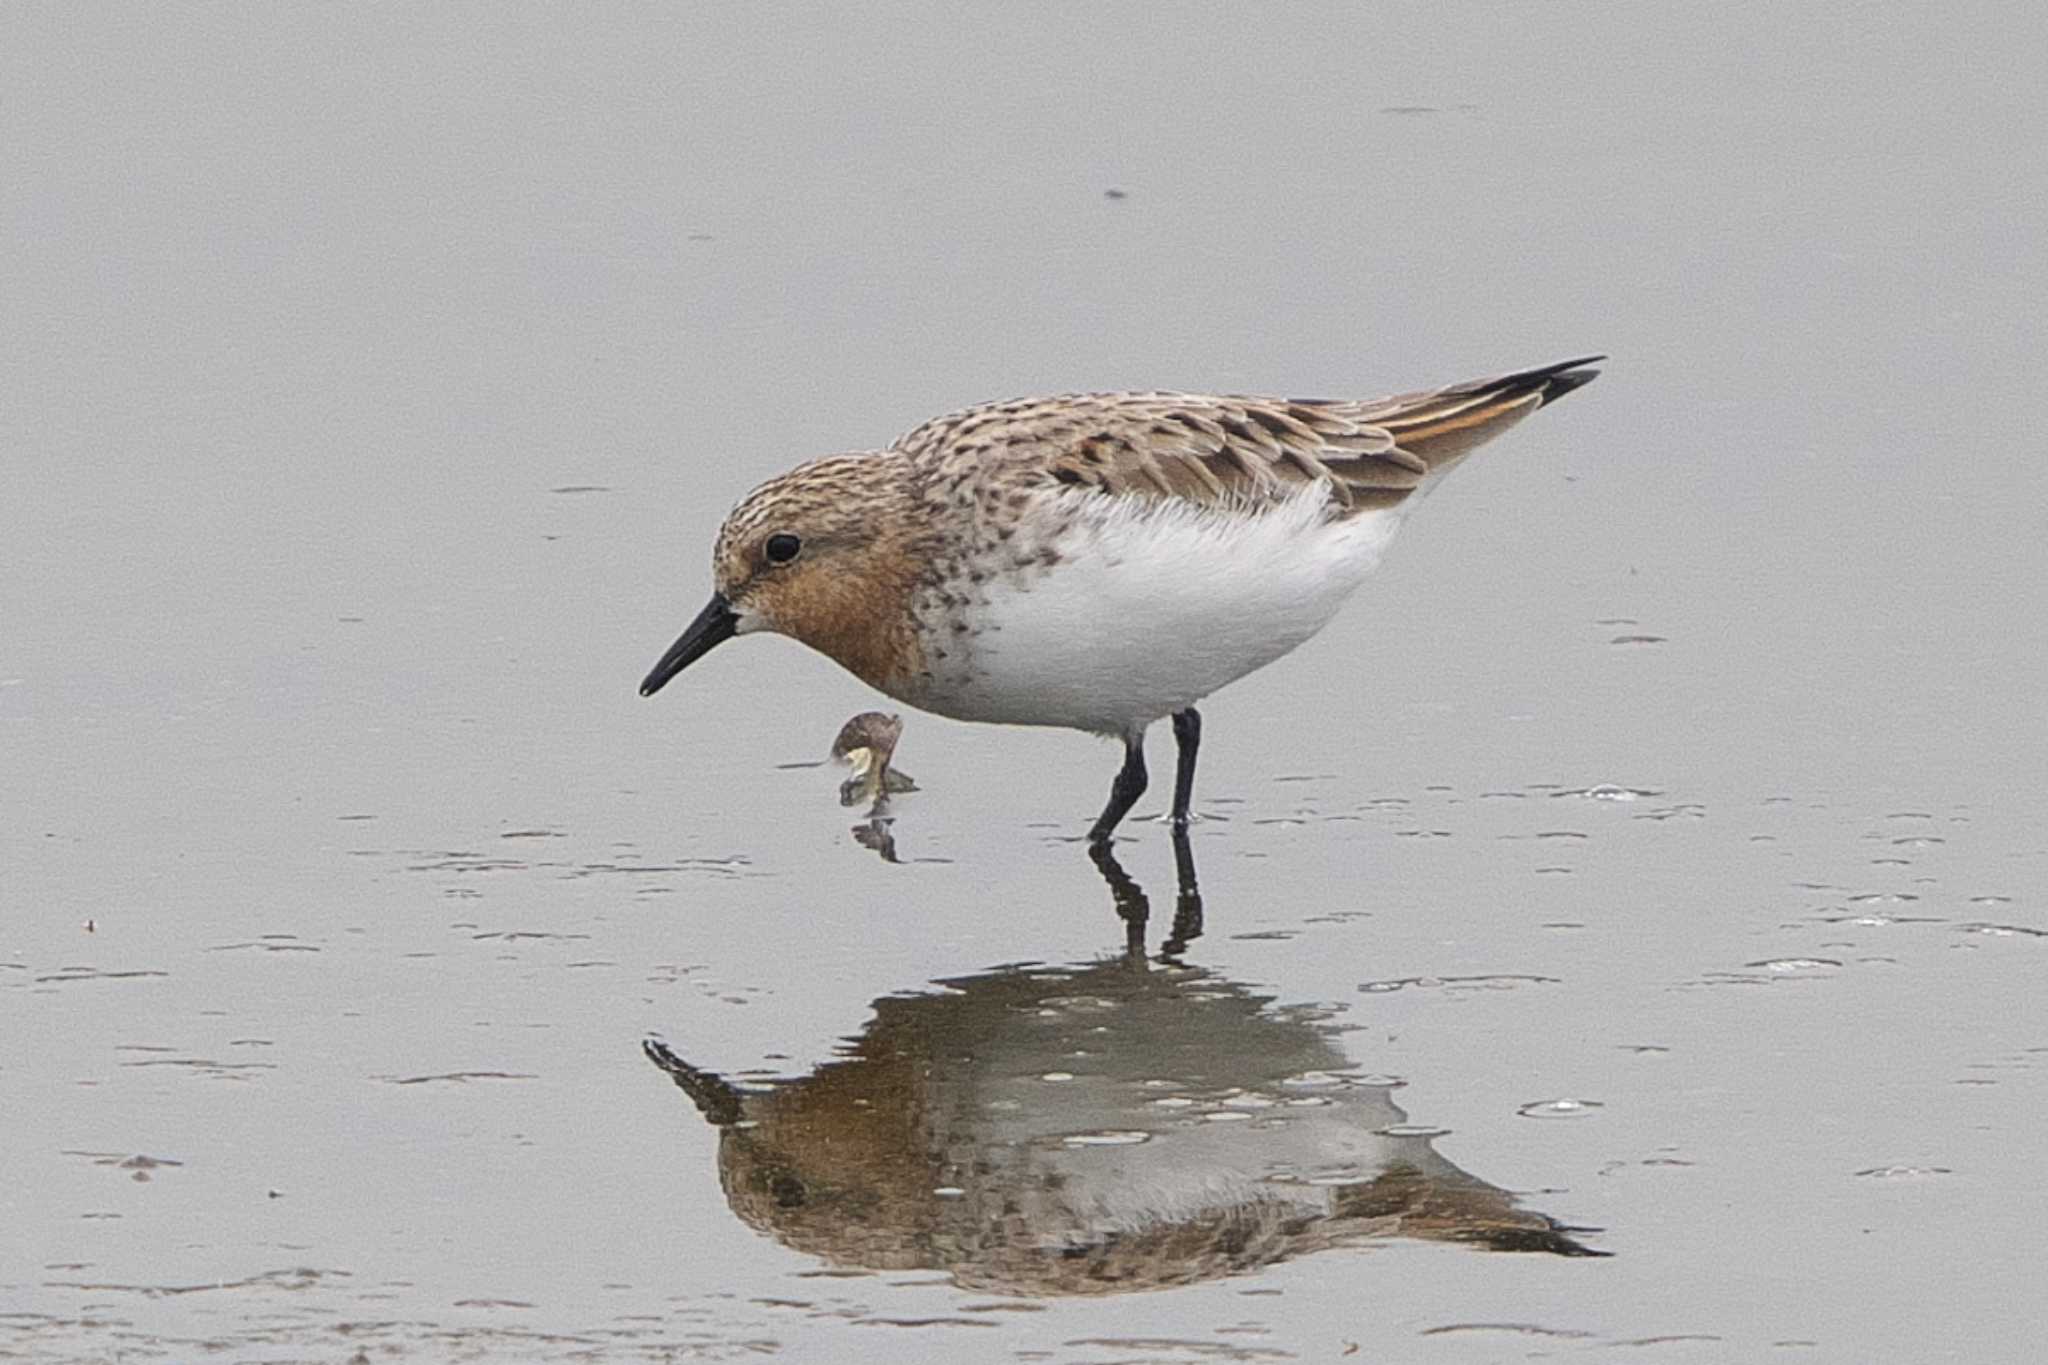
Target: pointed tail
<point>1444,425</point>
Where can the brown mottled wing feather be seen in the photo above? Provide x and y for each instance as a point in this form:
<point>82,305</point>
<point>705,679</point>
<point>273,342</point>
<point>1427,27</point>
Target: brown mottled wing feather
<point>1211,449</point>
<point>1444,425</point>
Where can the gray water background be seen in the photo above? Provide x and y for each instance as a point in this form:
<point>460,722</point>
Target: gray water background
<point>322,773</point>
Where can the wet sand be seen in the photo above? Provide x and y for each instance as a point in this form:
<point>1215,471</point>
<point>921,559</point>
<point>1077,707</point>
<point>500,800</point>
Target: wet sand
<point>1646,864</point>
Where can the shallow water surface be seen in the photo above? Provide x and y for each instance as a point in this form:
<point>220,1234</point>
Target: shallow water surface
<point>1619,935</point>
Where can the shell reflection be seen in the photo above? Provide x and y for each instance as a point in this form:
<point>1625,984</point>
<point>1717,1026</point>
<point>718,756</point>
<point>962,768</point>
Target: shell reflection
<point>1091,1130</point>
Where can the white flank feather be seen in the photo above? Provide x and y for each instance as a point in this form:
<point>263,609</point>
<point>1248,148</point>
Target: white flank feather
<point>1153,605</point>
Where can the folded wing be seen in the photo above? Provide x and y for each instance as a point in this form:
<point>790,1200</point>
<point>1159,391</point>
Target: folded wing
<point>1237,449</point>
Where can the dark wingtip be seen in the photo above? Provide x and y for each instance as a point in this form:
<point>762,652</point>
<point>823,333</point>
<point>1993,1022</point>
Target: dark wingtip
<point>1548,1236</point>
<point>715,1097</point>
<point>1553,382</point>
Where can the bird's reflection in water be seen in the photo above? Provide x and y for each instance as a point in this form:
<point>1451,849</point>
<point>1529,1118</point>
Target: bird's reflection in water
<point>1091,1129</point>
<point>1134,907</point>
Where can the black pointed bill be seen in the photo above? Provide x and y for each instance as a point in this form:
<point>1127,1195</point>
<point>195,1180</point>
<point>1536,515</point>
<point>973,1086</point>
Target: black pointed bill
<point>714,625</point>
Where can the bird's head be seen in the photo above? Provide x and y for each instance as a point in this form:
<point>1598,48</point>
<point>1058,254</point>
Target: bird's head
<point>824,554</point>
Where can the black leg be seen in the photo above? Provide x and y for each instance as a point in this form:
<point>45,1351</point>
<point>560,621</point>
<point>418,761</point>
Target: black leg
<point>1187,910</point>
<point>1124,792</point>
<point>1187,733</point>
<point>1132,907</point>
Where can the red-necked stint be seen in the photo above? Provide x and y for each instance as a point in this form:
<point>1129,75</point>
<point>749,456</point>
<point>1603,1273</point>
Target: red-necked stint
<point>1095,561</point>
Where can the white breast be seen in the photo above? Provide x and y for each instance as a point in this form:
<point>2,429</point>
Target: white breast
<point>1152,606</point>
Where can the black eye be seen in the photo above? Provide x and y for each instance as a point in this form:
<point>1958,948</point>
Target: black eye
<point>782,547</point>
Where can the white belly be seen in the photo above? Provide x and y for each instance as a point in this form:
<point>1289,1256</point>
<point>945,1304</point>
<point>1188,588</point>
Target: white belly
<point>1153,606</point>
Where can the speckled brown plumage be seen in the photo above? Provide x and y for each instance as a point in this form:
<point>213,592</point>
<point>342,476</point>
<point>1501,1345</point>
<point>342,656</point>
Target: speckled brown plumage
<point>1215,449</point>
<point>933,1143</point>
<point>1095,561</point>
